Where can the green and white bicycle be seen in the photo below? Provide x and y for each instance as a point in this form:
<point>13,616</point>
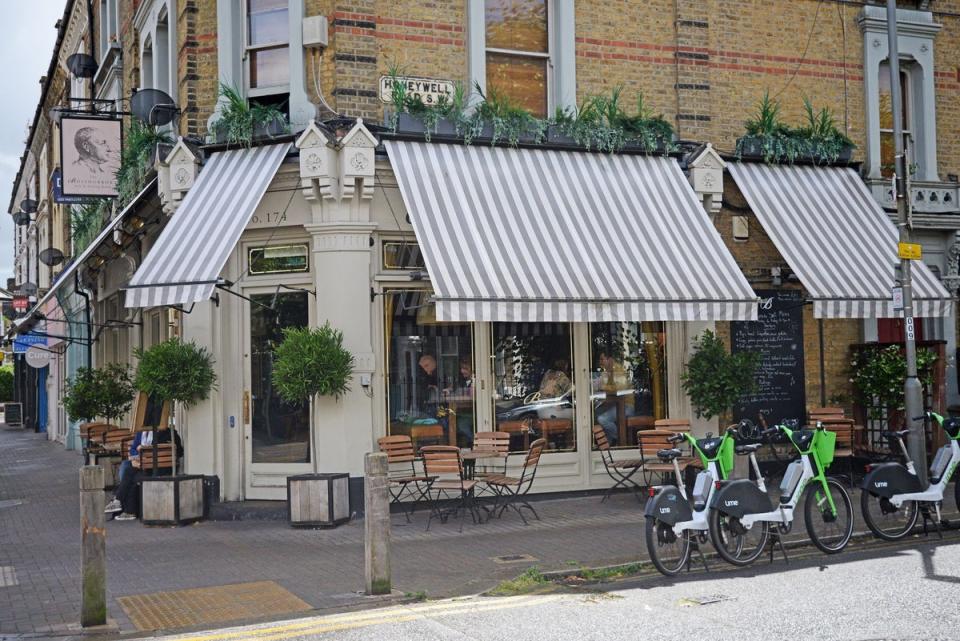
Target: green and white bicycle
<point>674,526</point>
<point>741,510</point>
<point>892,499</point>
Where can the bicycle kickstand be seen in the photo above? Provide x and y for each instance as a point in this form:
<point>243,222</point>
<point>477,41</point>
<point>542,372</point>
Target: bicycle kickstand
<point>703,558</point>
<point>777,539</point>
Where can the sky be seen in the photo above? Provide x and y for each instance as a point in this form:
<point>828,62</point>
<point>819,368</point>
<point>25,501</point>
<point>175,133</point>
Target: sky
<point>25,52</point>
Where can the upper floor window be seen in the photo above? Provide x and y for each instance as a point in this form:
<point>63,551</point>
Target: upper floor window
<point>517,39</point>
<point>267,47</point>
<point>109,20</point>
<point>887,141</point>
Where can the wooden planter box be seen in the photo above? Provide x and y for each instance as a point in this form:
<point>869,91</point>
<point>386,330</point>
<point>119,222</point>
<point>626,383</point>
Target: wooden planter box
<point>318,500</point>
<point>172,500</point>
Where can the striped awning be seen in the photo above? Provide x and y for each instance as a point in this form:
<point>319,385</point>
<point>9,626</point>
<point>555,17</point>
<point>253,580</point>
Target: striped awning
<point>836,238</point>
<point>527,235</point>
<point>184,264</point>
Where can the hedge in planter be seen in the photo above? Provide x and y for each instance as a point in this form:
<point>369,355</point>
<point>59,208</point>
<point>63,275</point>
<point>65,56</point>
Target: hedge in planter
<point>176,371</point>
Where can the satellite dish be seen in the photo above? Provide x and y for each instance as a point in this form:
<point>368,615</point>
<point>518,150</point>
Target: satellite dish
<point>51,256</point>
<point>21,218</point>
<point>82,65</point>
<point>28,205</point>
<point>153,107</point>
<point>28,288</point>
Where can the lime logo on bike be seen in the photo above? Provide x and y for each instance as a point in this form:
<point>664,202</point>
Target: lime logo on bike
<point>731,503</point>
<point>665,510</point>
<point>879,484</point>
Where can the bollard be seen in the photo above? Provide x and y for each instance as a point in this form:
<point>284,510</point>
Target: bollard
<point>93,563</point>
<point>376,523</point>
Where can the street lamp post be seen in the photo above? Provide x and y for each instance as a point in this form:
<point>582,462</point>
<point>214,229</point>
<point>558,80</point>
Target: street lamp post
<point>912,390</point>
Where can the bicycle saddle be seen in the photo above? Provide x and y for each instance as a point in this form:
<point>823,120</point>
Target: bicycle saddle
<point>668,455</point>
<point>897,434</point>
<point>746,449</point>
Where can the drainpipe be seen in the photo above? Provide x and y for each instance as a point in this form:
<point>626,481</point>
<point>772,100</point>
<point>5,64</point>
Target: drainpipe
<point>86,306</point>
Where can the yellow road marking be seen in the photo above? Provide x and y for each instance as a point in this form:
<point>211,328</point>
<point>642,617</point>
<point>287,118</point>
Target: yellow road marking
<point>376,617</point>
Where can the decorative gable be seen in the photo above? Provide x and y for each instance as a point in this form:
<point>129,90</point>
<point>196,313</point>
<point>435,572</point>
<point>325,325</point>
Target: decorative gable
<point>177,173</point>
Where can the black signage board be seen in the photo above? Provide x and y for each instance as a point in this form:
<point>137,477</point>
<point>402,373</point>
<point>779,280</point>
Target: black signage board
<point>777,336</point>
<point>13,413</point>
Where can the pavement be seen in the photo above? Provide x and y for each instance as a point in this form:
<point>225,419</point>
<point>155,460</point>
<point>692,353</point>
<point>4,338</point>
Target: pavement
<point>259,570</point>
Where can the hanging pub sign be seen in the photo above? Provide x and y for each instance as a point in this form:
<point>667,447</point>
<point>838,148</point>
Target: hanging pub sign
<point>90,153</point>
<point>58,196</point>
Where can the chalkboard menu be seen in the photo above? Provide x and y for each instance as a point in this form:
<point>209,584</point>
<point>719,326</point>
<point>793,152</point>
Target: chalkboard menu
<point>13,413</point>
<point>777,336</point>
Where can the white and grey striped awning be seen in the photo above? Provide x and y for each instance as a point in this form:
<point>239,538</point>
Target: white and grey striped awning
<point>184,264</point>
<point>836,238</point>
<point>526,235</point>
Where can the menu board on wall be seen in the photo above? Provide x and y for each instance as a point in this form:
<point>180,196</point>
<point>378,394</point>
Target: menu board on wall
<point>777,335</point>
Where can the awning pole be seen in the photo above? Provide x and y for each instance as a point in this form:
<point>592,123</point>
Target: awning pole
<point>823,374</point>
<point>912,390</point>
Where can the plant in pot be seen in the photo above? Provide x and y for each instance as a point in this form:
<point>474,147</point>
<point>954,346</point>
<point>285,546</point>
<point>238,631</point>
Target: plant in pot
<point>504,120</point>
<point>445,117</point>
<point>768,137</point>
<point>81,400</point>
<point>824,141</point>
<point>312,362</point>
<point>877,374</point>
<point>715,379</point>
<point>178,372</point>
<point>140,150</point>
<point>239,123</point>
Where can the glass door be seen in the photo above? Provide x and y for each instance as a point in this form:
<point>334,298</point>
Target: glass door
<point>277,433</point>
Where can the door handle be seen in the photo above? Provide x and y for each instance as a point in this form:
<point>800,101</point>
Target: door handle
<point>246,407</point>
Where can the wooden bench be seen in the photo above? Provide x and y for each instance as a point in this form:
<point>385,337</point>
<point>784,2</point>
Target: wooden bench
<point>114,446</point>
<point>652,441</point>
<point>157,459</point>
<point>91,437</point>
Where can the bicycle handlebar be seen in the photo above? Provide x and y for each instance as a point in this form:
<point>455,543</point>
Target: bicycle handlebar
<point>676,438</point>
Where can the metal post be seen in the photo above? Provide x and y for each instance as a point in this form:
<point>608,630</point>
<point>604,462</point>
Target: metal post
<point>823,373</point>
<point>93,564</point>
<point>376,524</point>
<point>913,393</point>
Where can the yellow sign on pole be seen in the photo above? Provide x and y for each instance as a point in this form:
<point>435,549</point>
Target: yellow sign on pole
<point>910,251</point>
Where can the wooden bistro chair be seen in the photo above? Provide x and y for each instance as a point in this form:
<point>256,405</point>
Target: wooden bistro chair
<point>405,481</point>
<point>650,443</point>
<point>512,491</point>
<point>112,449</point>
<point>621,472</point>
<point>91,436</point>
<point>833,419</point>
<point>497,444</point>
<point>443,462</point>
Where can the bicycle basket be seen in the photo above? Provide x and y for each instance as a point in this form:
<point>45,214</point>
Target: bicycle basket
<point>725,457</point>
<point>824,443</point>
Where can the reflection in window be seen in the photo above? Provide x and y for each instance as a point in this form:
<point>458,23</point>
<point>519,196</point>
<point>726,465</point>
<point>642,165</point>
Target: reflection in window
<point>533,388</point>
<point>518,51</point>
<point>628,379</point>
<point>402,255</point>
<point>887,142</point>
<point>430,381</point>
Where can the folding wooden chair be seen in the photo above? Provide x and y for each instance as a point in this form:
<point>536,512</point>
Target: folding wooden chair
<point>652,441</point>
<point>444,463</point>
<point>405,481</point>
<point>833,419</point>
<point>513,490</point>
<point>621,472</point>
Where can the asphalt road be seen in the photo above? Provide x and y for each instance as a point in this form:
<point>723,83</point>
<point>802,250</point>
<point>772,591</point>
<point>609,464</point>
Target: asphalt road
<point>905,591</point>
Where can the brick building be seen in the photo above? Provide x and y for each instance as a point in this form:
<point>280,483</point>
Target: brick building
<point>340,204</point>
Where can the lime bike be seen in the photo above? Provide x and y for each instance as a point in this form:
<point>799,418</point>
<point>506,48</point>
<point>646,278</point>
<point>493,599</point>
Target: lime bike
<point>741,510</point>
<point>892,499</point>
<point>673,525</point>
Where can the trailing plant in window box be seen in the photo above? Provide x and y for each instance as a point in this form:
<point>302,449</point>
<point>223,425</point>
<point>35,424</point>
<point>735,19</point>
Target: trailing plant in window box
<point>770,138</point>
<point>877,374</point>
<point>140,143</point>
<point>311,361</point>
<point>86,221</point>
<point>176,371</point>
<point>239,122</point>
<point>715,379</point>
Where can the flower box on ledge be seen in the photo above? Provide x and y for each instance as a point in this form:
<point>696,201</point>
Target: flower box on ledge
<point>752,148</point>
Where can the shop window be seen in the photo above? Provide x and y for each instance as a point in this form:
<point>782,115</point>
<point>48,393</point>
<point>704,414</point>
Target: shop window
<point>267,47</point>
<point>278,260</point>
<point>430,381</point>
<point>887,141</point>
<point>628,390</point>
<point>517,42</point>
<point>533,384</point>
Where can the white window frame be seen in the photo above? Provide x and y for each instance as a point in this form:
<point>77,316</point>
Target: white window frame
<point>163,55</point>
<point>561,52</point>
<point>254,92</point>
<point>907,98</point>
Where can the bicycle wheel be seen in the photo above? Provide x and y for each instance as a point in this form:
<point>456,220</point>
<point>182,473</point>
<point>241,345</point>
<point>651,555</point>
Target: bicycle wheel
<point>830,532</point>
<point>888,522</point>
<point>668,551</point>
<point>734,543</point>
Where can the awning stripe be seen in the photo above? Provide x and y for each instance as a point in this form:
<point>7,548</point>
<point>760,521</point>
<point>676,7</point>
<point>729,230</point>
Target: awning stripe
<point>836,238</point>
<point>185,263</point>
<point>539,235</point>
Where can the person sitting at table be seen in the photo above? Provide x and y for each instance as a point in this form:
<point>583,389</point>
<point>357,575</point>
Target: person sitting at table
<point>612,378</point>
<point>140,440</point>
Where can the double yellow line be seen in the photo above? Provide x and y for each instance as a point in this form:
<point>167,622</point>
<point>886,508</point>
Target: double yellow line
<point>352,620</point>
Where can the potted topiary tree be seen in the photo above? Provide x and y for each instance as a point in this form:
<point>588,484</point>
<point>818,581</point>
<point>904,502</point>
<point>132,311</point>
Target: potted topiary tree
<point>715,379</point>
<point>182,373</point>
<point>80,400</point>
<point>312,362</point>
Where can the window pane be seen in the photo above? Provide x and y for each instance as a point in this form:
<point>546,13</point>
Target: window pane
<point>269,67</point>
<point>430,380</point>
<point>533,388</point>
<point>520,25</point>
<point>402,255</point>
<point>521,79</point>
<point>628,388</point>
<point>268,22</point>
<point>886,100</point>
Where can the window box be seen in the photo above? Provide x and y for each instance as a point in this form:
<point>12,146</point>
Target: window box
<point>411,124</point>
<point>754,148</point>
